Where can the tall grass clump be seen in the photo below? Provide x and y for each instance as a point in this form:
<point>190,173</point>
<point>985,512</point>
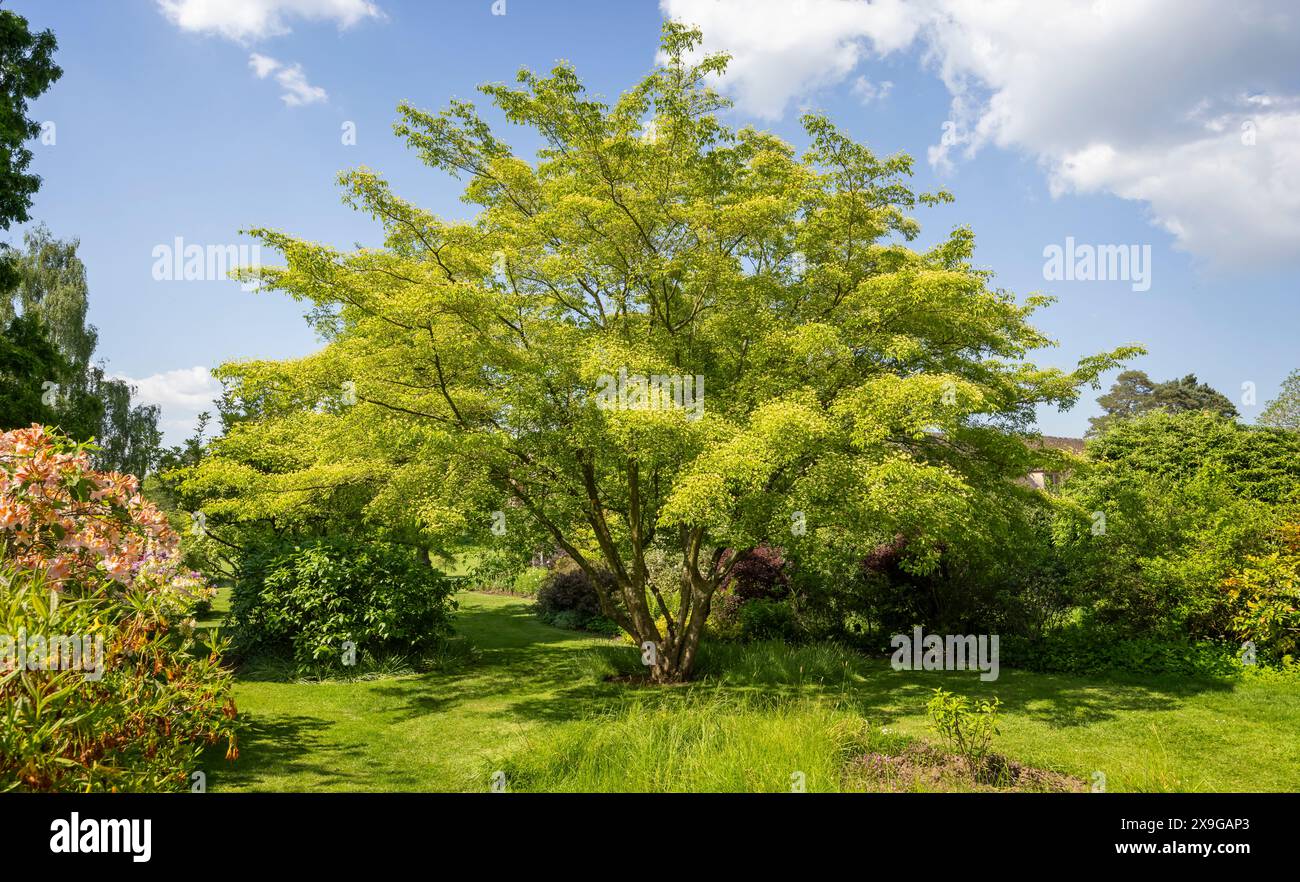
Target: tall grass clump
<point>774,663</point>
<point>703,743</point>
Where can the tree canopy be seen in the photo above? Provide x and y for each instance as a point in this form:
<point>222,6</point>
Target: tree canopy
<point>1134,393</point>
<point>51,298</point>
<point>1283,412</point>
<point>526,368</point>
<point>27,69</point>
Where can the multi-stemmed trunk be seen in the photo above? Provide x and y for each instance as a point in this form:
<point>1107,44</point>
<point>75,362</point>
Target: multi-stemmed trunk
<point>669,657</point>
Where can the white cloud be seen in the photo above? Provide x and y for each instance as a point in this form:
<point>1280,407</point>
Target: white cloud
<point>262,65</point>
<point>297,91</point>
<point>867,91</point>
<point>784,49</point>
<point>248,20</point>
<point>182,394</point>
<point>1143,99</point>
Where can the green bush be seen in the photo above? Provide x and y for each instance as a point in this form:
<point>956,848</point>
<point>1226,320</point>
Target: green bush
<point>1167,510</point>
<point>569,619</point>
<point>140,724</point>
<point>1088,650</point>
<point>311,599</point>
<point>724,617</point>
<point>767,620</point>
<point>529,582</point>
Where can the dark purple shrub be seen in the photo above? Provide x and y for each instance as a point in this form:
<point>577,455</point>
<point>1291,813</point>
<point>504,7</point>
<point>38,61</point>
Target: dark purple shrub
<point>568,588</point>
<point>762,575</point>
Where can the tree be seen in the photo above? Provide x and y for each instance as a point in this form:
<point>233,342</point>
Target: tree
<point>27,360</point>
<point>27,69</point>
<point>543,367</point>
<point>1134,393</point>
<point>1283,412</point>
<point>51,290</point>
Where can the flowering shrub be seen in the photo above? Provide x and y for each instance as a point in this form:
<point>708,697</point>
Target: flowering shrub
<point>1266,596</point>
<point>77,526</point>
<point>102,682</point>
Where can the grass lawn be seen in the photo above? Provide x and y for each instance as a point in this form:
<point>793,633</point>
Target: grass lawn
<point>529,700</point>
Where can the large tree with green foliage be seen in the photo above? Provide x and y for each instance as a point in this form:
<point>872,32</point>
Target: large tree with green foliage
<point>27,360</point>
<point>1283,412</point>
<point>27,69</point>
<point>854,388</point>
<point>51,294</point>
<point>1134,393</point>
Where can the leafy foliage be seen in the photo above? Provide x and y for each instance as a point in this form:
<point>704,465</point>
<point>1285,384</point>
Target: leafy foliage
<point>966,724</point>
<point>161,700</point>
<point>1283,412</point>
<point>1168,507</point>
<point>27,360</point>
<point>1266,592</point>
<point>1134,393</point>
<point>568,598</point>
<point>46,312</point>
<point>877,389</point>
<point>27,61</point>
<point>1094,650</point>
<point>83,555</point>
<point>761,575</point>
<point>310,599</point>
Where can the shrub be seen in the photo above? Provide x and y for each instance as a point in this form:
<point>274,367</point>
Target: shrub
<point>724,617</point>
<point>529,582</point>
<point>567,598</point>
<point>1188,500</point>
<point>761,575</point>
<point>602,625</point>
<point>569,619</point>
<point>767,620</point>
<point>968,726</point>
<point>312,598</point>
<point>1156,566</point>
<point>1266,596</point>
<point>1092,650</point>
<point>754,603</point>
<point>1004,577</point>
<point>84,560</point>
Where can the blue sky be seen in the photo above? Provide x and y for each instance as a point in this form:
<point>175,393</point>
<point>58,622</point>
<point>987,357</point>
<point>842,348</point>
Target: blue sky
<point>1130,130</point>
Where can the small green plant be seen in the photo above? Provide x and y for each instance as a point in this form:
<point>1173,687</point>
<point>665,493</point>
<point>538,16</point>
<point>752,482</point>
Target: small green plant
<point>969,726</point>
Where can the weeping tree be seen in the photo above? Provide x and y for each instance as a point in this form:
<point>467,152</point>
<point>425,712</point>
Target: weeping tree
<point>656,331</point>
<point>51,298</point>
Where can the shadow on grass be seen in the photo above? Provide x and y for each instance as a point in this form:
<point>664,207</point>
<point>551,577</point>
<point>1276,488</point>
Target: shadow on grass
<point>1060,701</point>
<point>279,746</point>
<point>528,671</point>
<point>773,673</point>
<point>518,657</point>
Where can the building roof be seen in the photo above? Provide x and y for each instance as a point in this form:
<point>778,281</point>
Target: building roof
<point>1056,442</point>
